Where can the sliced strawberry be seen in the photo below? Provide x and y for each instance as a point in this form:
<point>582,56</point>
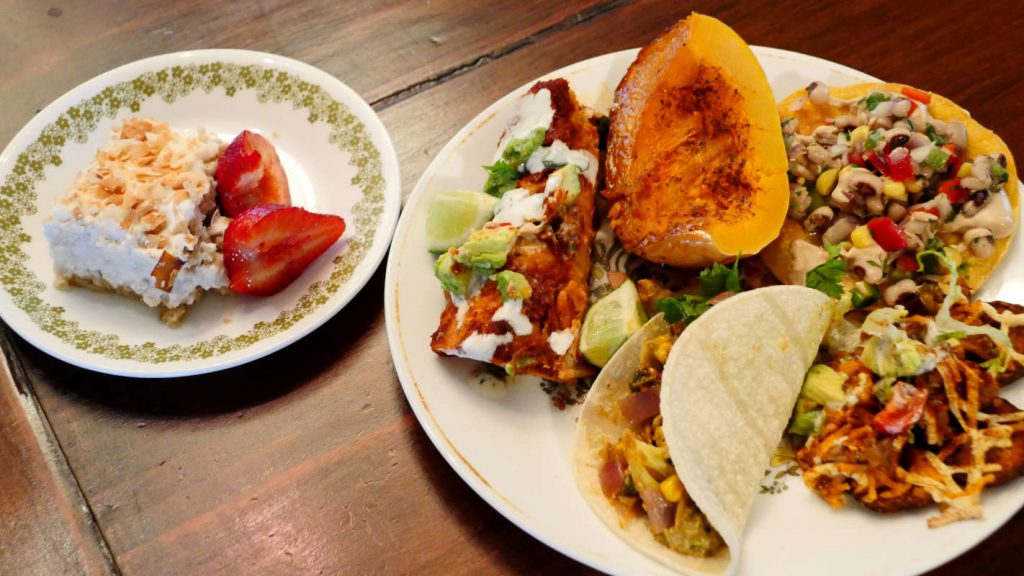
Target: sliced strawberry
<point>268,246</point>
<point>249,173</point>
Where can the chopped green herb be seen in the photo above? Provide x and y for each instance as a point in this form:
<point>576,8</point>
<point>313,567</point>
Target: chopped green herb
<point>874,99</point>
<point>719,278</point>
<point>874,139</point>
<point>826,276</point>
<point>685,308</point>
<point>934,136</point>
<point>933,244</point>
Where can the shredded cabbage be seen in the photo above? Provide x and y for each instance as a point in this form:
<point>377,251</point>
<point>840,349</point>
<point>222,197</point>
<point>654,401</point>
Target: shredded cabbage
<point>946,323</point>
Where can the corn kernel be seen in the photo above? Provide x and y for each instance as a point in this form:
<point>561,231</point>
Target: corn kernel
<point>826,181</point>
<point>861,237</point>
<point>965,170</point>
<point>953,254</point>
<point>672,488</point>
<point>913,186</point>
<point>846,169</point>
<point>662,350</point>
<point>859,134</point>
<point>801,180</point>
<point>894,190</point>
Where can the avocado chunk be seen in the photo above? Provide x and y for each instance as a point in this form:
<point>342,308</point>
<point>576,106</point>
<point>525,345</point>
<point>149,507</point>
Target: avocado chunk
<point>824,386</point>
<point>453,276</point>
<point>568,179</point>
<point>518,151</point>
<point>896,357</point>
<point>807,423</point>
<point>487,248</point>
<point>512,285</point>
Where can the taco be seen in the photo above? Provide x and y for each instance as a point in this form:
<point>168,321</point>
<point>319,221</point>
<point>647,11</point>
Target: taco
<point>674,438</point>
<point>885,172</point>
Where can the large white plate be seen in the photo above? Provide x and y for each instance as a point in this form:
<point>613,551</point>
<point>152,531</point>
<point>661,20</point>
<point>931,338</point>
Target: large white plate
<point>339,160</point>
<point>513,448</point>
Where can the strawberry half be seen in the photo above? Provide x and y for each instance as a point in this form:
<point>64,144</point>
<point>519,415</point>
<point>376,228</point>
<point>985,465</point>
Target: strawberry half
<point>249,173</point>
<point>268,246</point>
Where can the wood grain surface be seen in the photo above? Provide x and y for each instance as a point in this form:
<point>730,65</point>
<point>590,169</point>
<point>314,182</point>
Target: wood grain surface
<point>310,461</point>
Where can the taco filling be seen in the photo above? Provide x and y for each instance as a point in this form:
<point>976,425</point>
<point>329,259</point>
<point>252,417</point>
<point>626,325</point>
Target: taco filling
<point>903,410</point>
<point>881,178</point>
<point>637,473</point>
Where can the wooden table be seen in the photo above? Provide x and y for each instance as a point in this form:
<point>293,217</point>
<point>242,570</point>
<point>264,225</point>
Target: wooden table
<point>310,461</point>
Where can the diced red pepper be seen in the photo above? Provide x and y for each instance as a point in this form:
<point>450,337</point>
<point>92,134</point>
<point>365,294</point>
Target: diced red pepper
<point>887,234</point>
<point>906,263</point>
<point>903,410</point>
<point>955,159</point>
<point>913,106</point>
<point>915,94</point>
<point>901,170</point>
<point>878,163</point>
<point>933,211</point>
<point>956,193</point>
<point>856,158</point>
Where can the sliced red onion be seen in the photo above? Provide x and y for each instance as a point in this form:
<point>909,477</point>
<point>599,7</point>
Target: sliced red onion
<point>898,154</point>
<point>921,152</point>
<point>883,109</point>
<point>612,476</point>
<point>917,140</point>
<point>958,134</point>
<point>839,148</point>
<point>660,512</point>
<point>640,406</point>
<point>900,107</point>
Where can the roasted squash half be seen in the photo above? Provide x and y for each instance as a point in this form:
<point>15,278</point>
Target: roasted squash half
<point>696,165</point>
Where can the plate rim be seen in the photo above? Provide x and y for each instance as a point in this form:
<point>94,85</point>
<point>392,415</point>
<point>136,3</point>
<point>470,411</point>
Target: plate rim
<point>414,395</point>
<point>376,135</point>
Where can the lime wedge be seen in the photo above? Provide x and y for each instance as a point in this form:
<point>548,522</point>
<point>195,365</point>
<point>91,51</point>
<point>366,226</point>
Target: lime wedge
<point>610,322</point>
<point>453,214</point>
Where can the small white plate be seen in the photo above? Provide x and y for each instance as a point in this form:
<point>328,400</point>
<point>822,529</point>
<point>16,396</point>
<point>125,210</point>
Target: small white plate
<point>339,160</point>
<point>514,448</point>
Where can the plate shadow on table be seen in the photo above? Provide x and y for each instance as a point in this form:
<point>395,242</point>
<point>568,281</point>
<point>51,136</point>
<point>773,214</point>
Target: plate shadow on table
<point>302,364</point>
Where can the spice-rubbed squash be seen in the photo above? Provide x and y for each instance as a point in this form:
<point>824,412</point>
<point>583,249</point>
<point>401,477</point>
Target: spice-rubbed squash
<point>696,164</point>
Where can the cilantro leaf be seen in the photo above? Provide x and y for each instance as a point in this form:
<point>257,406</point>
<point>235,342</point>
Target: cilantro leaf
<point>934,136</point>
<point>502,177</point>
<point>874,99</point>
<point>684,308</point>
<point>826,276</point>
<point>719,278</point>
<point>874,139</point>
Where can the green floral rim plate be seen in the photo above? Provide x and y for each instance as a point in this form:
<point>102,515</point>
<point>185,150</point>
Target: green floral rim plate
<point>339,160</point>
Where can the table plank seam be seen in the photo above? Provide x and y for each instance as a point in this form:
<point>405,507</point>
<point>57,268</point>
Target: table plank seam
<point>50,444</point>
<point>466,67</point>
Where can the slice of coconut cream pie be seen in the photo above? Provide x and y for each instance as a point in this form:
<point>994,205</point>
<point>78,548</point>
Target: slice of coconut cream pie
<point>141,218</point>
